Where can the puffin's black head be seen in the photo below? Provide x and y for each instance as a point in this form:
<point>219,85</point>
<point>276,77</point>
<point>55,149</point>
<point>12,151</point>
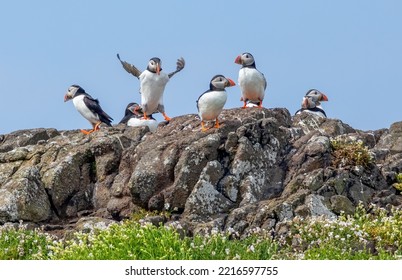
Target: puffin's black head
<point>73,91</point>
<point>245,59</point>
<point>220,82</point>
<point>133,110</point>
<point>155,65</point>
<point>313,98</point>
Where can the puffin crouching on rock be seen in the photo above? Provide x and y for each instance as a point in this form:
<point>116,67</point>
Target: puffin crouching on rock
<point>88,107</point>
<point>134,117</point>
<point>211,102</point>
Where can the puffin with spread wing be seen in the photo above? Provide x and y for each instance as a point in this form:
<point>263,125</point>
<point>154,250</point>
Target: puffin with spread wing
<point>152,84</point>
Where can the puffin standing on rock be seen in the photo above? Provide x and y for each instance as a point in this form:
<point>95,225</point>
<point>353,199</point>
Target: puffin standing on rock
<point>312,103</point>
<point>251,81</point>
<point>211,102</point>
<point>88,107</point>
<point>134,117</point>
<point>152,84</point>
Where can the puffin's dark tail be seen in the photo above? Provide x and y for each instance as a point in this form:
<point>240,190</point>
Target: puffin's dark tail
<point>105,118</point>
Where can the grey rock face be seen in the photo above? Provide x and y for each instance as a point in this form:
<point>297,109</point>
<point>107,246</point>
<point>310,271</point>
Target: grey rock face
<point>260,169</point>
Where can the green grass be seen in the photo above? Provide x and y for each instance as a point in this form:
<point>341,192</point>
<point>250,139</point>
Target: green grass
<point>23,244</point>
<point>133,240</point>
<point>374,235</point>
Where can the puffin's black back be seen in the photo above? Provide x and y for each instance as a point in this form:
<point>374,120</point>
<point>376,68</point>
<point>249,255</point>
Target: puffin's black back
<point>94,106</point>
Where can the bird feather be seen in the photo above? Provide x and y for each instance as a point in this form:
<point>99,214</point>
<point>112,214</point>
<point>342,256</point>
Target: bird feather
<point>179,66</point>
<point>130,68</point>
<point>94,106</point>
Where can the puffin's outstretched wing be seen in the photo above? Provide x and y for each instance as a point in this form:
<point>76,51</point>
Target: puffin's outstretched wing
<point>179,66</point>
<point>130,68</point>
<point>93,105</point>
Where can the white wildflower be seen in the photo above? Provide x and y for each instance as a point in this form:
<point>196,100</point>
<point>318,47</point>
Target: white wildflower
<point>237,257</point>
<point>230,230</point>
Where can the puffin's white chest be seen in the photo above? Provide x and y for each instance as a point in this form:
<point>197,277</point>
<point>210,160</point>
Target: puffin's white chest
<point>252,84</point>
<point>83,109</point>
<point>318,113</point>
<point>210,104</point>
<point>152,124</point>
<point>314,112</point>
<point>152,88</point>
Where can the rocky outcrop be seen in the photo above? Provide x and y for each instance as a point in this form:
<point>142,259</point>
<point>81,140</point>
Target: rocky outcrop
<point>261,168</point>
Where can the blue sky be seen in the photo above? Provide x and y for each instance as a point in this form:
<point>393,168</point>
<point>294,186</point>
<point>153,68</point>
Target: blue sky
<point>350,50</point>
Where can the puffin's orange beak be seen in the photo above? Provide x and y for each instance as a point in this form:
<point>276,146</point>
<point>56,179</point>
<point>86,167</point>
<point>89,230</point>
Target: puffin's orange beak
<point>66,98</point>
<point>324,97</point>
<point>231,83</point>
<point>158,69</point>
<point>238,60</point>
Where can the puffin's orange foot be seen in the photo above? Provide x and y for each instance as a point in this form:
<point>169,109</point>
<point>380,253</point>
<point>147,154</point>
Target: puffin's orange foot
<point>96,127</point>
<point>244,105</point>
<point>203,128</point>
<point>145,117</point>
<point>86,132</point>
<point>166,117</point>
<point>216,123</point>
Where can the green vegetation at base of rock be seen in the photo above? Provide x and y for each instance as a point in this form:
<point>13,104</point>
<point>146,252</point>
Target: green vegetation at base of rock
<point>374,234</point>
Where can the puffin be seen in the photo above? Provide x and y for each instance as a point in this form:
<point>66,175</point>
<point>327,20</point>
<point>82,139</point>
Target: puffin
<point>152,84</point>
<point>134,116</point>
<point>211,102</point>
<point>312,103</point>
<point>88,107</point>
<point>251,81</point>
